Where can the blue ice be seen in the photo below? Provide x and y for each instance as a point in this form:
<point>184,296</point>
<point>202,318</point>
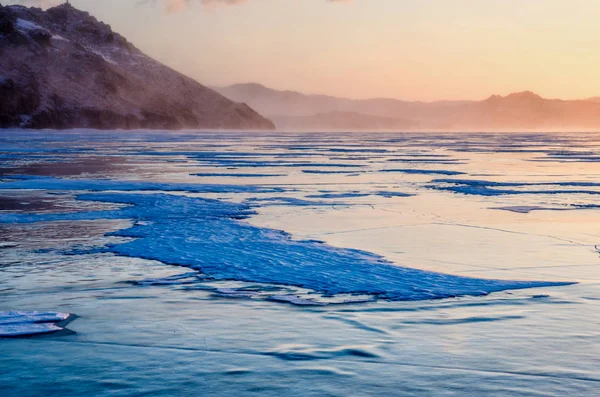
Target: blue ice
<point>209,235</point>
<point>423,172</point>
<point>490,188</point>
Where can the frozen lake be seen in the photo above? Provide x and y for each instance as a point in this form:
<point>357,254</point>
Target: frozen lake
<point>275,264</point>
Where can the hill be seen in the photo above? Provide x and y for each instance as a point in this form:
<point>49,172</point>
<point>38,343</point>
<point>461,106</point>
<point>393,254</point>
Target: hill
<point>525,111</point>
<point>62,68</point>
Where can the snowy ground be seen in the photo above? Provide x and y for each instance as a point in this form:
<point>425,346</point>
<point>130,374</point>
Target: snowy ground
<point>319,264</point>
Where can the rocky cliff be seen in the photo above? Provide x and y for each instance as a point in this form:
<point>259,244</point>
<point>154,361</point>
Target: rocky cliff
<point>62,68</point>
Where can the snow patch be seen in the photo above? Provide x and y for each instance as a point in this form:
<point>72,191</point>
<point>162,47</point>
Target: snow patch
<point>107,59</point>
<point>27,26</point>
<point>59,37</point>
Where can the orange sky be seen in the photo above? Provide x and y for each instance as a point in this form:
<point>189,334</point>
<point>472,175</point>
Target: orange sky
<point>412,49</point>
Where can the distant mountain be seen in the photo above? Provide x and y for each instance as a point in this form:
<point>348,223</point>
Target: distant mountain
<point>62,68</point>
<point>518,111</point>
<point>285,103</point>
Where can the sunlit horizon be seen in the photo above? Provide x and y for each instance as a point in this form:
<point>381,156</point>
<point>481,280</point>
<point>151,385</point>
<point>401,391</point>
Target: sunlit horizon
<point>413,50</point>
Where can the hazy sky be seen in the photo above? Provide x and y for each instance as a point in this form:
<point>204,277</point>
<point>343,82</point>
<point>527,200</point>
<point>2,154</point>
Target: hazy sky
<point>412,49</point>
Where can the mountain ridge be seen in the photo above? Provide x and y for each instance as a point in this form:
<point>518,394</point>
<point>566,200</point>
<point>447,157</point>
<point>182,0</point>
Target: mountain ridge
<point>62,68</point>
<point>524,110</point>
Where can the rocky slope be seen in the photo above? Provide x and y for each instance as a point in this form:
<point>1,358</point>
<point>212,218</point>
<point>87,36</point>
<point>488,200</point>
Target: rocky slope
<point>518,111</point>
<point>62,68</point>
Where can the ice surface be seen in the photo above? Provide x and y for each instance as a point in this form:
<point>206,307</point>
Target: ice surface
<point>475,182</point>
<point>215,174</point>
<point>329,172</point>
<point>290,201</point>
<point>490,188</point>
<point>18,323</point>
<point>178,279</point>
<point>423,171</point>
<point>104,184</point>
<point>226,338</point>
<point>207,235</point>
<point>525,209</point>
<point>338,195</point>
<point>241,163</point>
<point>295,300</point>
<point>346,150</point>
<point>387,194</point>
<point>426,160</point>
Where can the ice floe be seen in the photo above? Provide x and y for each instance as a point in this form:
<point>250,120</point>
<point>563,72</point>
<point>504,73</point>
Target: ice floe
<point>209,235</point>
<point>19,323</point>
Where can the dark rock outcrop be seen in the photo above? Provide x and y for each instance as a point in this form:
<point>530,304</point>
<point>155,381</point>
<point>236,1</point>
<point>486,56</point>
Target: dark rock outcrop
<point>62,68</point>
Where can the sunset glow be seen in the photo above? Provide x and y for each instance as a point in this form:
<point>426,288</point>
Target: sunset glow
<point>410,49</point>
